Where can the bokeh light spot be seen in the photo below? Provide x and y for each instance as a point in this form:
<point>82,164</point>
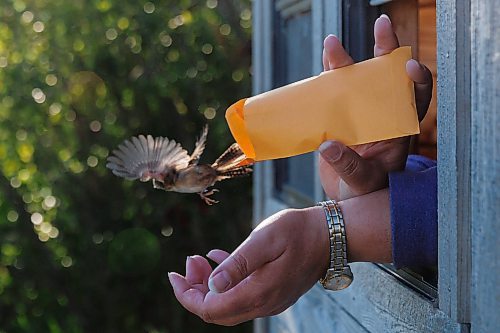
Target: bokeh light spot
<point>191,72</point>
<point>237,75</point>
<point>123,23</point>
<point>111,34</point>
<point>38,26</point>
<point>149,7</point>
<point>50,201</point>
<point>103,5</point>
<point>43,237</point>
<point>207,48</point>
<point>225,29</point>
<point>173,55</point>
<point>54,232</point>
<point>15,182</point>
<point>45,227</point>
<point>27,17</point>
<point>92,161</point>
<point>209,113</point>
<point>55,109</point>
<point>38,95</point>
<point>71,115</point>
<point>12,216</point>
<point>246,14</point>
<point>165,39</point>
<point>78,45</point>
<point>66,261</point>
<point>167,231</point>
<point>24,175</point>
<point>95,126</point>
<point>36,218</point>
<point>19,5</point>
<point>212,4</point>
<point>21,135</point>
<point>51,79</point>
<point>97,238</point>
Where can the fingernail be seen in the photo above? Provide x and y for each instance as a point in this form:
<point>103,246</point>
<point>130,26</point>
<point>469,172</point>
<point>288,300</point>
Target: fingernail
<point>209,254</point>
<point>387,17</point>
<point>219,282</point>
<point>330,151</point>
<point>169,274</point>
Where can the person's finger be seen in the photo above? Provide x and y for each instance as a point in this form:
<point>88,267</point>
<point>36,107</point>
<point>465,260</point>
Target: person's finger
<point>355,171</point>
<point>385,38</point>
<point>218,255</point>
<point>255,251</point>
<point>422,77</point>
<point>255,296</point>
<point>326,64</point>
<point>197,272</point>
<point>190,298</point>
<point>335,56</point>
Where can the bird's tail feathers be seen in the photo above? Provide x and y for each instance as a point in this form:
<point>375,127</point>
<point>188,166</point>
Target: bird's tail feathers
<point>229,159</point>
<point>235,172</point>
<point>231,163</point>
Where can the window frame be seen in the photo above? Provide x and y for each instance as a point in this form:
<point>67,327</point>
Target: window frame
<point>452,311</point>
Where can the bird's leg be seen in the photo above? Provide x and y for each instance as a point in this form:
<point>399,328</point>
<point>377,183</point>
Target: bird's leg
<point>204,195</point>
<point>158,185</point>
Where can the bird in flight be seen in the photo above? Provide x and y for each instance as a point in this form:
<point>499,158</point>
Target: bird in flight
<point>171,168</point>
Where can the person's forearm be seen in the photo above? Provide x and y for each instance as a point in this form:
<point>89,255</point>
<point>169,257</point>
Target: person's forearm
<point>368,226</point>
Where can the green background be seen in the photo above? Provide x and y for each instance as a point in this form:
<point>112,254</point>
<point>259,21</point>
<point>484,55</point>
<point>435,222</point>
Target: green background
<point>80,249</point>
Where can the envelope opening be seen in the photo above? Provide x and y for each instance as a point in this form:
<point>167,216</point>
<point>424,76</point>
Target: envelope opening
<point>236,120</point>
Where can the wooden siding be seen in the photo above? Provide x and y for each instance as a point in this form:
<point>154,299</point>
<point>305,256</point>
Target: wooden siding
<point>375,302</point>
<point>454,158</point>
<point>485,167</point>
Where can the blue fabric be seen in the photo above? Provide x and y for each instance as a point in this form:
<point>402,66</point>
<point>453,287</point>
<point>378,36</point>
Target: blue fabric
<point>413,200</point>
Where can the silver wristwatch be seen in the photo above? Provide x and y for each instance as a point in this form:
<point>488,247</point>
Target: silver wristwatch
<point>339,275</point>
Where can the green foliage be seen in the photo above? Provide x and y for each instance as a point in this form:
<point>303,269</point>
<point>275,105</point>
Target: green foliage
<point>80,249</point>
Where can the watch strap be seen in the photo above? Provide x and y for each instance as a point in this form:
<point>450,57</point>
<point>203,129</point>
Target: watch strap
<point>338,264</point>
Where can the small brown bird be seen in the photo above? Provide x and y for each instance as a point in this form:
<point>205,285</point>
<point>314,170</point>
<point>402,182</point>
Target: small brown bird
<point>171,168</point>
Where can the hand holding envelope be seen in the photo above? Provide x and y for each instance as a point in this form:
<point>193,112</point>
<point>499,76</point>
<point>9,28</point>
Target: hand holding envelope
<point>365,102</point>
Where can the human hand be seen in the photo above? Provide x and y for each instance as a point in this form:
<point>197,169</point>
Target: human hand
<point>280,260</point>
<point>347,172</point>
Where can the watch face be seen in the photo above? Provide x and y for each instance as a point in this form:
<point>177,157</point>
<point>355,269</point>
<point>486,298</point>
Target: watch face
<point>337,281</point>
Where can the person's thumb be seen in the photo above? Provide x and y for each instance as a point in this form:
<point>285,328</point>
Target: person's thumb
<point>351,168</point>
<point>249,256</point>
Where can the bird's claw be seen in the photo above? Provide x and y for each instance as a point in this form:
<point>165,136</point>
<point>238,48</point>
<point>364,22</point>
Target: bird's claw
<point>204,195</point>
<point>158,185</point>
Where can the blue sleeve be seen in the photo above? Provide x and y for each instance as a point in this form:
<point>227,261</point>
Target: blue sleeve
<point>413,201</point>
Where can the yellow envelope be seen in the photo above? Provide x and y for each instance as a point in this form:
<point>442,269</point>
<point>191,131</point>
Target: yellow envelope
<point>369,101</point>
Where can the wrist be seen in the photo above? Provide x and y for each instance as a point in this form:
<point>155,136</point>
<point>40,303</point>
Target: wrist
<point>368,227</point>
<point>315,218</point>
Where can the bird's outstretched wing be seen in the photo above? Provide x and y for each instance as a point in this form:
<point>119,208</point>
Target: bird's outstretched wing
<point>199,147</point>
<point>140,156</point>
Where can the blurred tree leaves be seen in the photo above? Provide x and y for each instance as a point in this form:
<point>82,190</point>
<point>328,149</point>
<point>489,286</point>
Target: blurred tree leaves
<point>80,249</point>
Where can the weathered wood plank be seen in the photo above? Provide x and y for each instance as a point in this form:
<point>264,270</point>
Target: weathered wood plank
<point>485,168</point>
<point>375,302</point>
<point>454,158</point>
